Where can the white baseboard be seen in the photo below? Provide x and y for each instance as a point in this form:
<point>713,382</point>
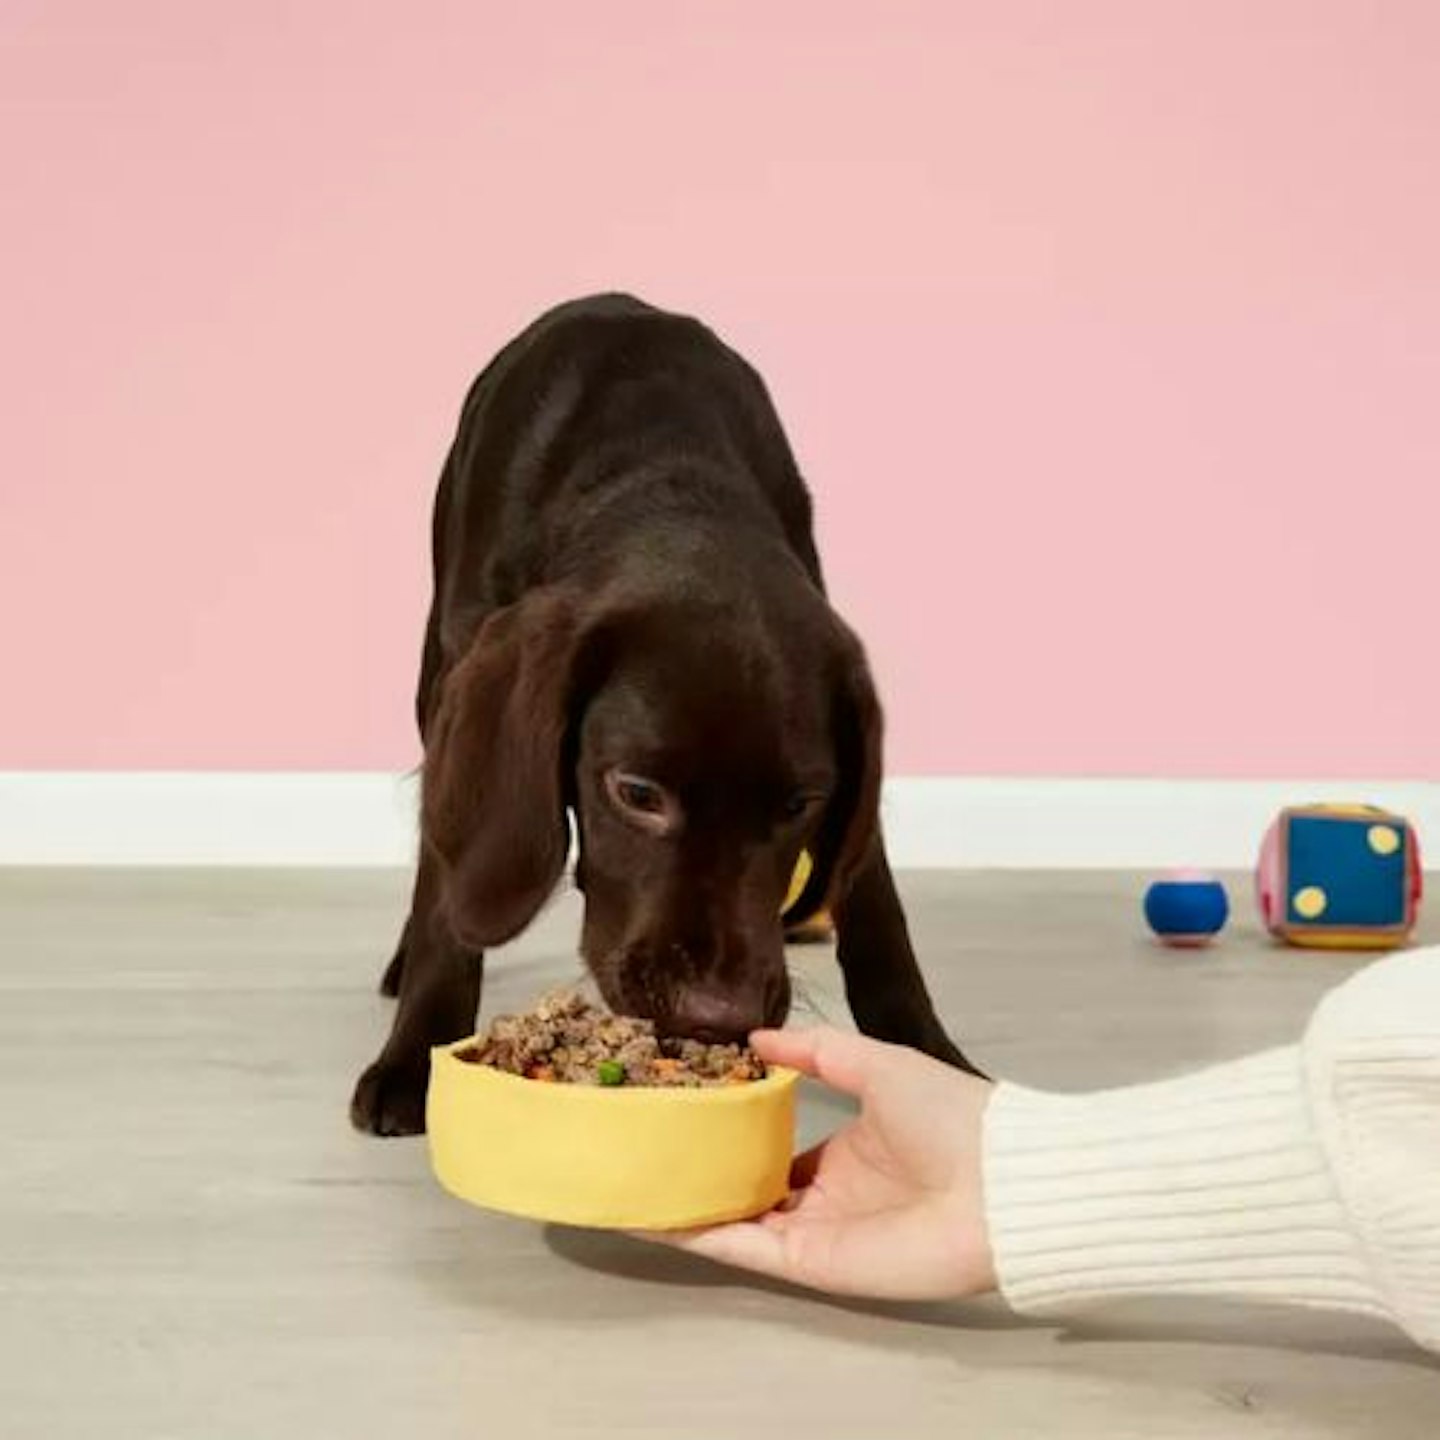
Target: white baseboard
<point>1116,824</point>
<point>205,818</point>
<point>367,819</point>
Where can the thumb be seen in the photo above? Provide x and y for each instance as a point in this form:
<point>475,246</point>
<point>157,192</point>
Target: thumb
<point>842,1060</point>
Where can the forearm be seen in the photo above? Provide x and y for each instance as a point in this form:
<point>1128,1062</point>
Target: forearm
<point>1308,1175</point>
<point>1210,1184</point>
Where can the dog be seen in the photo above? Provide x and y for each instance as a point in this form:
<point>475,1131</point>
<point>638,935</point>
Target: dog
<point>629,625</point>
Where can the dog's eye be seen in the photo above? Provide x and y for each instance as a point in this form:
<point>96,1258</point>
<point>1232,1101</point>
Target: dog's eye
<point>640,795</point>
<point>641,800</point>
<point>799,803</point>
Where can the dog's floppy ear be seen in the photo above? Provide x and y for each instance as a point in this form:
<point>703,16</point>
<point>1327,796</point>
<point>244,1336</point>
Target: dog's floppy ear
<point>852,818</point>
<point>493,794</point>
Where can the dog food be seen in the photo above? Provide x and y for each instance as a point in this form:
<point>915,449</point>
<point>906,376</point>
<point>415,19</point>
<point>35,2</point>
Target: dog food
<point>567,1038</point>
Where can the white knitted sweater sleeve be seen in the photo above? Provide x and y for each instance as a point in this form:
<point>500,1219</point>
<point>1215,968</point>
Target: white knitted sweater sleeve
<point>1308,1175</point>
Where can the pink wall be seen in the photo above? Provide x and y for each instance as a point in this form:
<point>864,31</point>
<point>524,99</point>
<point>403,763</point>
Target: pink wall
<point>1108,334</point>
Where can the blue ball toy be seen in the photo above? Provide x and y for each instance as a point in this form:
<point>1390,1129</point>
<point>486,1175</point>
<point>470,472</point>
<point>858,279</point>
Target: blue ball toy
<point>1187,909</point>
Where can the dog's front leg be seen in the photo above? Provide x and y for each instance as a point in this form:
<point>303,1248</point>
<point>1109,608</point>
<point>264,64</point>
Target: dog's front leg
<point>883,983</point>
<point>439,990</point>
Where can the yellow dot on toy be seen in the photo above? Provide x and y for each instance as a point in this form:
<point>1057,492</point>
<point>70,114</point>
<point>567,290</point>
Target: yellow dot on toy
<point>1384,840</point>
<point>1311,902</point>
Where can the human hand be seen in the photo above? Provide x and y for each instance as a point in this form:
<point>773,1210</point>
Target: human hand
<point>890,1206</point>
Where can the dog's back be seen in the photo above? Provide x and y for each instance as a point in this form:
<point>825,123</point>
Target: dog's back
<point>603,415</point>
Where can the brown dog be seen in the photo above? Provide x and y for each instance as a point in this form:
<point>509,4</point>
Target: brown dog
<point>629,624</point>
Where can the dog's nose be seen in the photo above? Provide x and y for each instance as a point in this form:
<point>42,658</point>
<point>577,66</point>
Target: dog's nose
<point>715,1017</point>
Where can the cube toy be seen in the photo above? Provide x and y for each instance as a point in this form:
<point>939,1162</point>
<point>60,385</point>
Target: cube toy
<point>1340,877</point>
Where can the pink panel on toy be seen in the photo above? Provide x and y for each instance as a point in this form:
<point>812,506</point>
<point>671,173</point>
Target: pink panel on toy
<point>1417,877</point>
<point>1268,879</point>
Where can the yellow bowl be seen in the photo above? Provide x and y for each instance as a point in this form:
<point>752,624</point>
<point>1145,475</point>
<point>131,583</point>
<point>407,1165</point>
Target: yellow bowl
<point>628,1158</point>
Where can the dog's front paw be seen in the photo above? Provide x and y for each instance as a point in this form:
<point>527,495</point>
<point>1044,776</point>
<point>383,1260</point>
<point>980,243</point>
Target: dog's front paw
<point>390,1098</point>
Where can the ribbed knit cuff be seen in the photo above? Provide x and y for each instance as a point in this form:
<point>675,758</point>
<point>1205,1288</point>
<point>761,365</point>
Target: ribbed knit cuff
<point>1211,1184</point>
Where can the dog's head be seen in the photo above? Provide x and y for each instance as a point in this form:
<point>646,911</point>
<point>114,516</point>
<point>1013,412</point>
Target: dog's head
<point>700,748</point>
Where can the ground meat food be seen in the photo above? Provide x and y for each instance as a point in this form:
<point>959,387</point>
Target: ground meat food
<point>568,1038</point>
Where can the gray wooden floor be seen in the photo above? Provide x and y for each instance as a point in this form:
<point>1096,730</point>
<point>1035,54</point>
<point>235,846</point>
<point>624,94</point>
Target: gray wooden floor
<point>194,1244</point>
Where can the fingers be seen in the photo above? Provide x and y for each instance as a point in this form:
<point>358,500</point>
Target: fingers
<point>842,1060</point>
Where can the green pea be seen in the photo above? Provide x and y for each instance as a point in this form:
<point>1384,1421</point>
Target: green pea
<point>610,1072</point>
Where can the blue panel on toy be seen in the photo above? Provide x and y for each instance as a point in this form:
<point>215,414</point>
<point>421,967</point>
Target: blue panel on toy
<point>1337,874</point>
